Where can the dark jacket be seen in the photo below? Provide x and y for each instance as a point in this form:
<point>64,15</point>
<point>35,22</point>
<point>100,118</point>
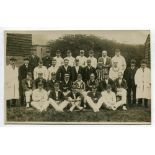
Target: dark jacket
<point>77,94</point>
<point>60,96</point>
<point>40,80</point>
<point>120,85</point>
<point>50,84</point>
<point>87,71</point>
<point>103,85</point>
<point>26,86</point>
<point>62,71</point>
<point>108,62</point>
<point>90,84</point>
<point>23,70</point>
<point>129,75</point>
<point>74,73</point>
<point>64,87</point>
<point>33,61</point>
<point>95,97</point>
<point>47,61</point>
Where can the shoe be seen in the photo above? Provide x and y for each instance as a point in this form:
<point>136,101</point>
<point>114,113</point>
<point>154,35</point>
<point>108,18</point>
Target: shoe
<point>27,105</point>
<point>124,108</point>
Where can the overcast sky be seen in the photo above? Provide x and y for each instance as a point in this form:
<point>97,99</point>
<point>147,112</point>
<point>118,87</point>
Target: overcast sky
<point>122,36</point>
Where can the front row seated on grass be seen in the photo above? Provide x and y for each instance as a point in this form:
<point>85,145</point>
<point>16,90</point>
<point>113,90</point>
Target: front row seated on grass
<point>95,99</point>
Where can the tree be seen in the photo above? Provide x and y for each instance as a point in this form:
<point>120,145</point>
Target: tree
<point>87,42</point>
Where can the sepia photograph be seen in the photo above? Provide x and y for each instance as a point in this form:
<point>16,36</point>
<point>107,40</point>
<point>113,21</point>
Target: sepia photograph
<point>77,77</point>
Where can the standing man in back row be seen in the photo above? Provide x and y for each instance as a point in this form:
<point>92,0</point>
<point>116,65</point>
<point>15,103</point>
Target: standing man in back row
<point>82,58</point>
<point>121,63</point>
<point>58,58</point>
<point>106,61</point>
<point>70,58</point>
<point>47,60</point>
<point>92,58</point>
<point>33,59</point>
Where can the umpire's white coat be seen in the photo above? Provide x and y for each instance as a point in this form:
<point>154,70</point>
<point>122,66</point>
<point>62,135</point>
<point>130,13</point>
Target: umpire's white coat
<point>143,82</point>
<point>11,83</point>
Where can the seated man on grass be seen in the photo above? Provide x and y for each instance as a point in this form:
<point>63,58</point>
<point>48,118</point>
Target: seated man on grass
<point>40,98</point>
<point>93,99</point>
<point>74,99</point>
<point>28,87</point>
<point>57,99</point>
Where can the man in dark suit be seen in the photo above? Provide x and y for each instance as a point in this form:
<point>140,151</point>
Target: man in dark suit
<point>77,69</point>
<point>28,86</point>
<point>33,59</point>
<point>63,70</point>
<point>47,60</point>
<point>40,79</point>
<point>106,61</point>
<point>23,70</point>
<point>66,85</point>
<point>57,99</point>
<point>105,82</point>
<point>129,75</point>
<point>50,83</point>
<point>88,70</point>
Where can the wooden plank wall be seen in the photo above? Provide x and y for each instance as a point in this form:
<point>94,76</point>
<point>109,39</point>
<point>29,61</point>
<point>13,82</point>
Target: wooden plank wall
<point>18,44</point>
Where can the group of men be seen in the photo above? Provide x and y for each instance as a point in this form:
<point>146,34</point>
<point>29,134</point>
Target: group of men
<point>77,83</point>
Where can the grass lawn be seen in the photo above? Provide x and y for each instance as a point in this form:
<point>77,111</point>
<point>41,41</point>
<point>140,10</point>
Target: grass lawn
<point>134,114</point>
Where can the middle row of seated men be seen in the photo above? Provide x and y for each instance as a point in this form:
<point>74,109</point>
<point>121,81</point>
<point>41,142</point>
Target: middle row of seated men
<point>75,94</point>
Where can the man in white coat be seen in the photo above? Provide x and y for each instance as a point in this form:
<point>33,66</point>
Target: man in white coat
<point>120,60</point>
<point>11,83</point>
<point>143,83</point>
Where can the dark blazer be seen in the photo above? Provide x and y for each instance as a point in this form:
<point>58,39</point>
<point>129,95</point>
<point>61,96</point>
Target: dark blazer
<point>62,71</point>
<point>74,73</point>
<point>41,80</point>
<point>129,75</point>
<point>59,98</point>
<point>25,85</point>
<point>108,62</point>
<point>120,85</point>
<point>33,61</point>
<point>50,84</point>
<point>95,97</point>
<point>77,94</point>
<point>87,71</point>
<point>23,70</point>
<point>90,84</point>
<point>64,87</point>
<point>47,61</point>
<point>103,85</point>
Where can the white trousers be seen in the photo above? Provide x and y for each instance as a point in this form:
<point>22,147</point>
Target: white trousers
<point>28,95</point>
<point>111,105</point>
<point>58,107</point>
<point>41,105</point>
<point>94,106</point>
<point>101,101</point>
<point>75,104</point>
